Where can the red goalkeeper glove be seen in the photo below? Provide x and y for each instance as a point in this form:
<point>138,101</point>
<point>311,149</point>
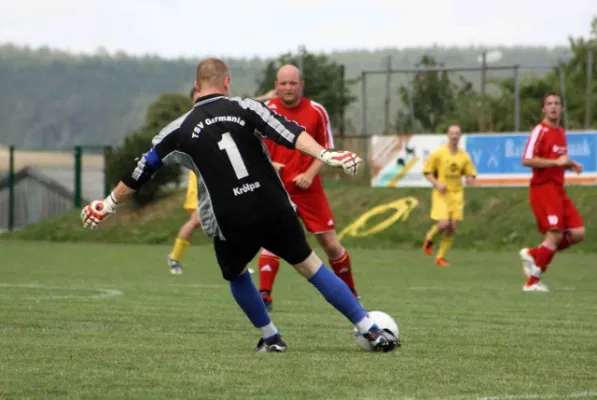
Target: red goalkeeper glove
<point>97,211</point>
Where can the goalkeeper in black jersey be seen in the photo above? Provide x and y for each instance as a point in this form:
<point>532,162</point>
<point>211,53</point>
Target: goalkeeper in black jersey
<point>242,197</point>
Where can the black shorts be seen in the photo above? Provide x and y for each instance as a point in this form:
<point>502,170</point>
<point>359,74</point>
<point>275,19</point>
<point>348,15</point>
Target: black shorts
<point>285,238</point>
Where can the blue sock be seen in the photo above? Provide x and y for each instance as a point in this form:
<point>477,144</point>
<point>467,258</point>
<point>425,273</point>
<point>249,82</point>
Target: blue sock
<point>247,296</point>
<point>337,293</point>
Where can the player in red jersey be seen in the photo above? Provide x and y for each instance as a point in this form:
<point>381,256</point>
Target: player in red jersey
<point>301,179</point>
<point>558,219</point>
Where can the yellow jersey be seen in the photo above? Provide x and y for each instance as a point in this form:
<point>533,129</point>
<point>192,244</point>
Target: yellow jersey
<point>448,168</point>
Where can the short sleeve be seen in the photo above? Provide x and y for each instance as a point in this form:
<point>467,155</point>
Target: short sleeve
<point>431,164</point>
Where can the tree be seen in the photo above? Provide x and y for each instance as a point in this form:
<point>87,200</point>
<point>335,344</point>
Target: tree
<point>575,73</point>
<point>165,109</point>
<point>435,97</point>
<point>123,159</point>
<point>324,82</point>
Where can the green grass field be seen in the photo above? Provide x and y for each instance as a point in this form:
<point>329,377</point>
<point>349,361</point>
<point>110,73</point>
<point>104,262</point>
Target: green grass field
<point>109,321</point>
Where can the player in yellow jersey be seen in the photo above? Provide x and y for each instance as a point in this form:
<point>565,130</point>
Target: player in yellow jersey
<point>186,231</point>
<point>445,168</point>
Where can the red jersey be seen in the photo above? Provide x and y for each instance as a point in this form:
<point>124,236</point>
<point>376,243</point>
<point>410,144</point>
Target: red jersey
<point>550,143</point>
<point>314,118</point>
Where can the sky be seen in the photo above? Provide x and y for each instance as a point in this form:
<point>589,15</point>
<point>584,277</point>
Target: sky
<point>266,28</point>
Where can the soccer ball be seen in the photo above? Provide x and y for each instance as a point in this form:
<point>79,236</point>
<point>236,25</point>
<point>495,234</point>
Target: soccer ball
<point>381,319</point>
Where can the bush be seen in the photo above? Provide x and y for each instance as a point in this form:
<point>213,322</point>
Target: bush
<point>123,159</point>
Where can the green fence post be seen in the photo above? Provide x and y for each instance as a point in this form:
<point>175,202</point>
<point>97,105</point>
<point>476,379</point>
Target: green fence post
<point>107,186</point>
<point>78,178</point>
<point>11,188</point>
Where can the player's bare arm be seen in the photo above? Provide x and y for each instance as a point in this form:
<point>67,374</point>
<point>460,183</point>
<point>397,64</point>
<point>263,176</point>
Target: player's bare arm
<point>277,166</point>
<point>267,96</point>
<point>575,167</point>
<point>430,170</point>
<point>470,172</point>
<point>305,179</point>
<point>121,192</point>
<point>538,162</point>
<point>435,183</point>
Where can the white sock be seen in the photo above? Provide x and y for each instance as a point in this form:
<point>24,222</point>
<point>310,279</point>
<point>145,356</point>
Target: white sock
<point>268,330</point>
<point>364,325</point>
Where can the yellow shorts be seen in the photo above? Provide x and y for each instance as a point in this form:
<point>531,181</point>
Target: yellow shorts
<point>449,205</point>
<point>192,200</point>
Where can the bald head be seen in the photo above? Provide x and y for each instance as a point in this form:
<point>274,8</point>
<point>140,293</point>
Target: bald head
<point>289,71</point>
<point>213,75</point>
<point>289,85</point>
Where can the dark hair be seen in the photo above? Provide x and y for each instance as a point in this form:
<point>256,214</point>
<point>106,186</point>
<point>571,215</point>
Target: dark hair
<point>549,94</point>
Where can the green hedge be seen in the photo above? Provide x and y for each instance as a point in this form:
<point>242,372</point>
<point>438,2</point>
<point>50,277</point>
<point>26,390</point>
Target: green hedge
<point>495,218</point>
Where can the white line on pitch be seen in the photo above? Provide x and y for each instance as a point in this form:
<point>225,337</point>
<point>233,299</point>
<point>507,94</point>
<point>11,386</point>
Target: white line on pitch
<point>103,293</point>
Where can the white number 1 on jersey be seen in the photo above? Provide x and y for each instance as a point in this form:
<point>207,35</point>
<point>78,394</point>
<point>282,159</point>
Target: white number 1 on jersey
<point>229,146</point>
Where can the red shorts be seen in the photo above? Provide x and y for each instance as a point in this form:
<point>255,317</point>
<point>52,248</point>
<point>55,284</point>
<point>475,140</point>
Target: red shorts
<point>313,208</point>
<point>553,208</point>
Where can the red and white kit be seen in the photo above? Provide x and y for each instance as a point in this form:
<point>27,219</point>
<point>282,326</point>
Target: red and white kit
<point>312,205</point>
<point>551,205</point>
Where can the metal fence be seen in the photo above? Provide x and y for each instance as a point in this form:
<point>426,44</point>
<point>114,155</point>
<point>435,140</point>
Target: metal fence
<point>515,69</point>
<point>480,76</point>
<point>482,73</point>
<point>40,185</point>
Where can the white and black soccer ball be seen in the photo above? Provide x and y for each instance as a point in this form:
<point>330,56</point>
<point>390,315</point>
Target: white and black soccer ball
<point>383,321</point>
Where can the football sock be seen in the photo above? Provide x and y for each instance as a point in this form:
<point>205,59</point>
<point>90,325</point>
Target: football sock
<point>543,254</point>
<point>335,291</point>
<point>269,264</point>
<point>180,246</point>
<point>343,269</point>
<point>246,295</point>
<point>566,241</point>
<point>445,245</point>
<point>365,325</point>
<point>432,232</point>
<point>532,280</point>
<point>269,332</point>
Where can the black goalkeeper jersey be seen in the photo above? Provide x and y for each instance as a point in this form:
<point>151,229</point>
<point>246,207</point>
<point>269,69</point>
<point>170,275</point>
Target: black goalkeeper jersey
<point>220,140</point>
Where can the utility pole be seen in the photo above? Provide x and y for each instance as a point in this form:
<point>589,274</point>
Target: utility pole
<point>387,101</point>
<point>483,82</point>
<point>589,86</point>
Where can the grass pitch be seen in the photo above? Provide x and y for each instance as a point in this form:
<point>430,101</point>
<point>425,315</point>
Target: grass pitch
<point>109,321</point>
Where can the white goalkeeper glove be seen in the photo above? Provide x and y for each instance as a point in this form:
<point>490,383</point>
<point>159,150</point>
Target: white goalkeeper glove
<point>346,159</point>
<point>98,211</point>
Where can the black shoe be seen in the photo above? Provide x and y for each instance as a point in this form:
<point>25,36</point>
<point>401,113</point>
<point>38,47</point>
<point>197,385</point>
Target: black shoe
<point>382,340</point>
<point>275,345</point>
